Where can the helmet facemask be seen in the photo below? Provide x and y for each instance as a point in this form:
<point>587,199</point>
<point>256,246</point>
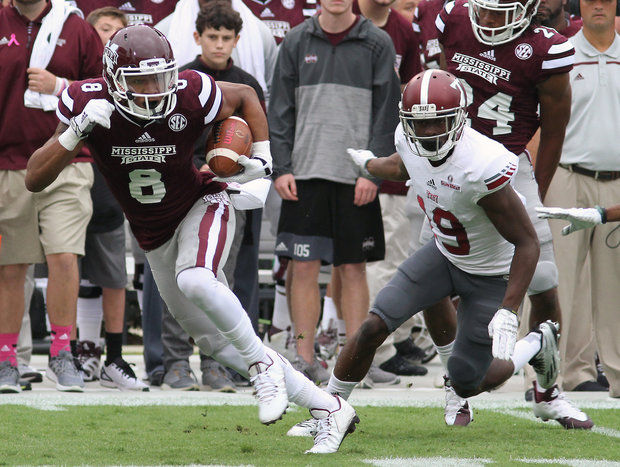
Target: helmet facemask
<point>438,146</point>
<point>147,91</point>
<point>517,17</point>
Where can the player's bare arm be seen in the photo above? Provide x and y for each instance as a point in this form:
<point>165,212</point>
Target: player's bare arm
<point>388,168</point>
<point>554,95</point>
<point>242,99</point>
<point>507,213</point>
<point>48,161</point>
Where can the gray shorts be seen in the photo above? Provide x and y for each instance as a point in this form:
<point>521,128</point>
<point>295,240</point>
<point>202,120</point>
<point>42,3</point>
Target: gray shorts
<point>104,261</point>
<point>427,277</point>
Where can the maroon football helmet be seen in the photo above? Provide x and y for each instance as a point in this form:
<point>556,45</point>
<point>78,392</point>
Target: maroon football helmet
<point>141,72</point>
<point>431,95</point>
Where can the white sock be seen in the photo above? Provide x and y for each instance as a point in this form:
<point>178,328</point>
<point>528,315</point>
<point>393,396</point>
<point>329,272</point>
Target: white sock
<point>89,317</point>
<point>330,315</point>
<point>140,295</point>
<point>342,388</point>
<point>247,343</point>
<point>444,352</point>
<point>305,393</point>
<point>281,318</point>
<point>525,349</point>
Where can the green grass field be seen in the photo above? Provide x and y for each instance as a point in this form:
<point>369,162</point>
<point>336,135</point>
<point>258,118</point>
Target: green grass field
<point>232,435</point>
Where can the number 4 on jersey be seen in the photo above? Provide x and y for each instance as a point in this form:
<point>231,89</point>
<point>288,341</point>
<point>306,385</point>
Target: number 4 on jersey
<point>495,108</point>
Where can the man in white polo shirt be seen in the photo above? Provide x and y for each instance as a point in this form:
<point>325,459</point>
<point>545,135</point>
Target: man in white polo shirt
<point>589,174</point>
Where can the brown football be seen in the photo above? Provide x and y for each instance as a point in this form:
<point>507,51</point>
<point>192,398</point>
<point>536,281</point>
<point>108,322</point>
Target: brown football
<point>229,139</point>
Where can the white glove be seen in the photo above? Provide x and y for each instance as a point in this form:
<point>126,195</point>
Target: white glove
<point>361,157</point>
<point>503,330</point>
<point>579,218</point>
<point>96,112</point>
<point>252,169</point>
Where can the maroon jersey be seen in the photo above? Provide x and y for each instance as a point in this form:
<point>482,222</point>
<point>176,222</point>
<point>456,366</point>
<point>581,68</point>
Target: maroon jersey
<point>148,12</point>
<point>149,165</point>
<point>424,23</point>
<point>77,56</point>
<point>282,15</point>
<point>501,81</point>
<point>405,42</point>
<point>575,23</point>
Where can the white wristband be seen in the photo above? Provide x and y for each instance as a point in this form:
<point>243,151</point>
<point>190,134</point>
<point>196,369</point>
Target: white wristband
<point>262,149</point>
<point>69,140</point>
<point>61,84</point>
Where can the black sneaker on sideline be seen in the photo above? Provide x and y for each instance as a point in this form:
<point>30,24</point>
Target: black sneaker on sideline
<point>402,367</point>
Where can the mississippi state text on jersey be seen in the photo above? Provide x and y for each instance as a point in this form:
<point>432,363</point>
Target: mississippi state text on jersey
<point>501,81</point>
<point>448,195</point>
<point>148,165</point>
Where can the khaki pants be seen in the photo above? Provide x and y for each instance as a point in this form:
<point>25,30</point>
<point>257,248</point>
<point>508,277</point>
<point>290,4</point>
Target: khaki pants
<point>598,247</point>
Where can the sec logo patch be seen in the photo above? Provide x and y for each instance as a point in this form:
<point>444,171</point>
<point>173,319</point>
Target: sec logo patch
<point>524,51</point>
<point>177,122</point>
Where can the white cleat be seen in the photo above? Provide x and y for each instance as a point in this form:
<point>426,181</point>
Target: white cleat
<point>457,411</point>
<point>553,405</point>
<point>333,427</point>
<point>118,374</point>
<point>307,428</point>
<point>267,377</point>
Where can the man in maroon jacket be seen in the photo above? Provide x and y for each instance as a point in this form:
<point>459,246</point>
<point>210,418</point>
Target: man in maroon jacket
<point>48,226</point>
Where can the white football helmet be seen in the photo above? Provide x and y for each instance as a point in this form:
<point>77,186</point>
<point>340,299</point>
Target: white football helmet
<point>517,17</point>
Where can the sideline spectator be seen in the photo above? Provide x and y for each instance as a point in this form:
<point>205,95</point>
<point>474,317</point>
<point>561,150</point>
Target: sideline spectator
<point>589,174</point>
<point>334,87</point>
<point>49,46</point>
<point>256,50</point>
<point>107,21</point>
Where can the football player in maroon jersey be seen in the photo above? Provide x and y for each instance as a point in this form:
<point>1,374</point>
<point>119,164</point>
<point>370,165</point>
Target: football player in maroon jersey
<point>141,121</point>
<point>516,77</point>
<point>551,13</point>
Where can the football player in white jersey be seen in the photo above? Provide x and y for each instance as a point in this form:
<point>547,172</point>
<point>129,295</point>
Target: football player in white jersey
<point>484,249</point>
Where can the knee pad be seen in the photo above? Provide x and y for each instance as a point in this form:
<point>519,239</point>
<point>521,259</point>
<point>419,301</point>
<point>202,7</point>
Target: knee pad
<point>545,278</point>
<point>199,286</point>
<point>464,375</point>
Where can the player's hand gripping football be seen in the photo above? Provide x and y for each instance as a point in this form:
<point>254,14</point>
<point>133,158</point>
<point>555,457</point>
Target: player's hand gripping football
<point>361,157</point>
<point>96,112</point>
<point>579,218</point>
<point>259,166</point>
<point>503,330</point>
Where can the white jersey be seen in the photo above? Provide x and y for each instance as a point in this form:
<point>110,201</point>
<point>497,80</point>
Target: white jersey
<point>448,195</point>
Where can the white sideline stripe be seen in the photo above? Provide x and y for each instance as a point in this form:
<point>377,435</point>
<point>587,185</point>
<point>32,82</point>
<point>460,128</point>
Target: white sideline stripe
<point>51,399</point>
<point>458,462</point>
<point>530,416</point>
<point>571,462</point>
<point>428,461</point>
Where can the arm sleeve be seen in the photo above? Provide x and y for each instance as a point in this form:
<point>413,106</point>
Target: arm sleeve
<point>281,113</point>
<point>560,57</point>
<point>385,97</point>
<point>411,64</point>
<point>442,20</point>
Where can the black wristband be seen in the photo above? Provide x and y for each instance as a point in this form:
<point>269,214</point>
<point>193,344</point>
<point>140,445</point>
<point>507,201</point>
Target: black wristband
<point>603,213</point>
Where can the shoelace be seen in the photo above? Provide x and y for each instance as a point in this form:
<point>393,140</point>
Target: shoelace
<point>125,368</point>
<point>264,387</point>
<point>310,424</point>
<point>324,431</point>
